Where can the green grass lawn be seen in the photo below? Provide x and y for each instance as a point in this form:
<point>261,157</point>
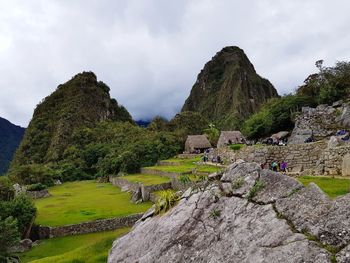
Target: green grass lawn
<point>82,201</point>
<point>147,179</point>
<point>332,186</point>
<point>86,248</point>
<point>186,168</point>
<point>184,160</point>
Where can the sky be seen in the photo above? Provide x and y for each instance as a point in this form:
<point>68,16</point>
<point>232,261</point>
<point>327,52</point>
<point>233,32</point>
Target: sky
<point>149,52</point>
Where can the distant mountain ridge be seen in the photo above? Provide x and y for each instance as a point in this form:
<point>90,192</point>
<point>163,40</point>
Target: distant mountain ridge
<point>228,89</point>
<point>10,137</point>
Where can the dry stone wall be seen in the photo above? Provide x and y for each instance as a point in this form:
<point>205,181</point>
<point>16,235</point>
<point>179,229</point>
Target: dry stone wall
<point>45,232</point>
<point>144,190</point>
<point>312,158</point>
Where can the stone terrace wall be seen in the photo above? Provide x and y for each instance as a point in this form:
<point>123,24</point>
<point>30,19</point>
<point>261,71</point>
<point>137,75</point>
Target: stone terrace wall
<point>135,187</point>
<point>313,158</point>
<point>121,182</point>
<point>45,232</point>
<point>38,194</point>
<point>306,155</point>
<point>334,158</point>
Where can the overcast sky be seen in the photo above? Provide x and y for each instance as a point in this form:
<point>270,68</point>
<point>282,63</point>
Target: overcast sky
<point>150,52</point>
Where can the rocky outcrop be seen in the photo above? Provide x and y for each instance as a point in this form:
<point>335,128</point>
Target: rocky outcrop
<point>228,89</point>
<point>249,215</point>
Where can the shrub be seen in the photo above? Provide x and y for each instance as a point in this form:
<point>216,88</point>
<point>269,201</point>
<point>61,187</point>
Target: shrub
<point>167,199</point>
<point>237,182</point>
<point>36,187</point>
<point>215,213</point>
<point>213,134</point>
<point>259,185</point>
<point>9,234</point>
<point>236,147</point>
<point>184,179</point>
<point>22,209</point>
<point>6,189</point>
<point>33,174</point>
<point>275,115</point>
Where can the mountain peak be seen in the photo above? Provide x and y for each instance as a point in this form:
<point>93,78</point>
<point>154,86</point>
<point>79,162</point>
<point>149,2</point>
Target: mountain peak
<point>228,89</point>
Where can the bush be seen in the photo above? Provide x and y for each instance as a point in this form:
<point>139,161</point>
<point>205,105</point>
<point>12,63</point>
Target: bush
<point>22,209</point>
<point>259,185</point>
<point>167,199</point>
<point>275,115</point>
<point>70,172</point>
<point>36,187</point>
<point>236,147</point>
<point>33,174</point>
<point>6,189</point>
<point>9,235</point>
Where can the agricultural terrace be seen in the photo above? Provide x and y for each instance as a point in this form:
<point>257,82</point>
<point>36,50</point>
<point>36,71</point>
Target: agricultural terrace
<point>88,248</point>
<point>333,187</point>
<point>83,201</point>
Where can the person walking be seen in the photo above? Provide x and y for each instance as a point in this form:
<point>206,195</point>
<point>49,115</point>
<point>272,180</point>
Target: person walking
<point>284,167</point>
<point>274,166</point>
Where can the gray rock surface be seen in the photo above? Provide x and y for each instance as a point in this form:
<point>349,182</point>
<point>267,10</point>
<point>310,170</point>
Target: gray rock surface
<point>221,224</point>
<point>344,255</point>
<point>22,246</point>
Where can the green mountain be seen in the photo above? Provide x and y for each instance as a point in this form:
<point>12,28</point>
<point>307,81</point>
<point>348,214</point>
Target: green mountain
<point>81,102</point>
<point>228,89</point>
<point>10,137</point>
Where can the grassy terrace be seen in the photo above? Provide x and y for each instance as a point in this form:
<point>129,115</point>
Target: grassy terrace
<point>82,201</point>
<point>146,179</point>
<point>332,186</point>
<point>82,248</point>
<point>185,165</point>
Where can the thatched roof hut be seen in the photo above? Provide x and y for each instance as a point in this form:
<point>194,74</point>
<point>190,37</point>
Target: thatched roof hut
<point>196,143</point>
<point>230,137</point>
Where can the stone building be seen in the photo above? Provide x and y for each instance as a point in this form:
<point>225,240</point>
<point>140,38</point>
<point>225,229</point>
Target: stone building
<point>196,143</point>
<point>230,137</point>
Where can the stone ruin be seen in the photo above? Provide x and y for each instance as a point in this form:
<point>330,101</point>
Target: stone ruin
<point>320,122</point>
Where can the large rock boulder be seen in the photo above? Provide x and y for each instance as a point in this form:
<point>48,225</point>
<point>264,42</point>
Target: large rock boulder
<point>250,215</point>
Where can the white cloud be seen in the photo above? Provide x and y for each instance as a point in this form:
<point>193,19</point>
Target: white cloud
<point>150,52</point>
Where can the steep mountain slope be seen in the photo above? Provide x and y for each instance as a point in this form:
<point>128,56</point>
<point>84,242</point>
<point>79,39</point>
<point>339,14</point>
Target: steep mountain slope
<point>81,102</point>
<point>10,137</point>
<point>228,89</point>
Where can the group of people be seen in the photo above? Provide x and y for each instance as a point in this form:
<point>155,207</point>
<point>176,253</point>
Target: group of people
<point>214,159</point>
<point>275,166</point>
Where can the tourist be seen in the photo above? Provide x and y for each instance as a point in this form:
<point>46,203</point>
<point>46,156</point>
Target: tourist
<point>284,167</point>
<point>274,166</point>
<point>218,159</point>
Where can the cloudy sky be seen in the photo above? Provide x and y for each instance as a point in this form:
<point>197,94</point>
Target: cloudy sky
<point>150,51</point>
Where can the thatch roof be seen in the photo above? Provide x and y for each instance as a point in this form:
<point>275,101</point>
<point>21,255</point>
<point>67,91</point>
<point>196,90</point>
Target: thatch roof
<point>232,137</point>
<point>197,141</point>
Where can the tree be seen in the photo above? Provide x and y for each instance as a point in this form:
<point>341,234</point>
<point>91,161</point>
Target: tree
<point>212,133</point>
<point>9,234</point>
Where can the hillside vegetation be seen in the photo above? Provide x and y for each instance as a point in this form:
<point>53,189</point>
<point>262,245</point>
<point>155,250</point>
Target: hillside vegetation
<point>228,89</point>
<point>327,86</point>
<point>81,102</point>
<point>79,132</point>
